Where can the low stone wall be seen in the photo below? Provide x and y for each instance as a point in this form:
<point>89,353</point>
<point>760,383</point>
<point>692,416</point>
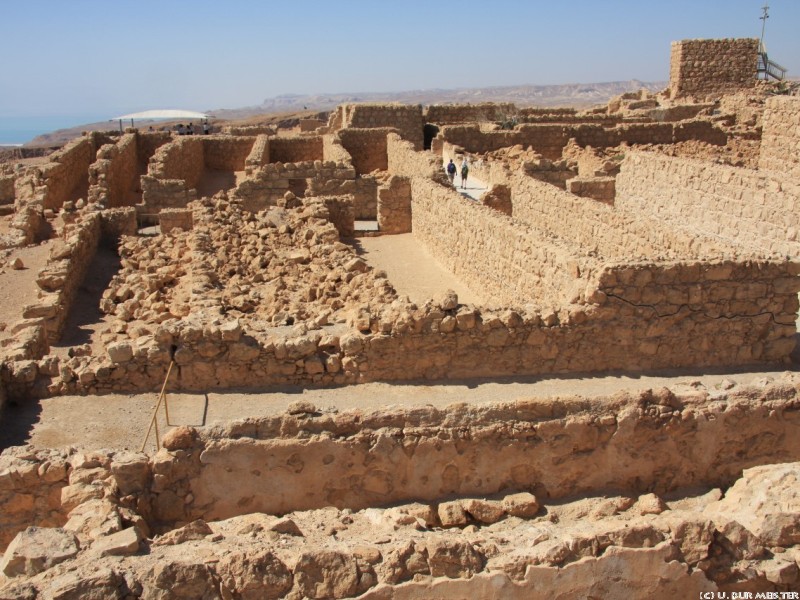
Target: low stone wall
<point>259,154</point>
<point>171,218</point>
<point>63,275</point>
<point>712,67</point>
<point>309,125</point>
<point>295,150</point>
<point>447,114</point>
<point>249,130</point>
<point>367,148</point>
<point>342,214</point>
<point>597,188</point>
<point>780,138</point>
<point>394,206</point>
<point>116,222</point>
<point>742,206</point>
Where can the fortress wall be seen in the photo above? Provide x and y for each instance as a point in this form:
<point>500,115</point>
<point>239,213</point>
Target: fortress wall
<point>367,147</point>
<point>113,175</point>
<point>712,67</point>
<point>293,150</point>
<point>67,170</point>
<point>394,206</point>
<point>780,139</point>
<point>447,114</point>
<point>405,118</point>
<point>591,227</point>
<point>224,153</point>
<point>741,206</point>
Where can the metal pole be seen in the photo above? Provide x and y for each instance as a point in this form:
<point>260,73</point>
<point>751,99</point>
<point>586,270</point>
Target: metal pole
<point>764,18</point>
<point>154,419</point>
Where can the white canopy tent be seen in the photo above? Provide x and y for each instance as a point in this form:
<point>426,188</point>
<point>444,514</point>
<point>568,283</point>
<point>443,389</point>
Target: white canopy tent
<point>161,115</point>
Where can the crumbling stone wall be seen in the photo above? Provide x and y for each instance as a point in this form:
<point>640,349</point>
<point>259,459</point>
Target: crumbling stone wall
<point>67,170</point>
<point>394,206</point>
<point>116,222</point>
<point>113,175</point>
<point>7,194</point>
<point>63,275</point>
<point>365,197</point>
<point>404,160</point>
<point>745,207</point>
<point>259,154</point>
<point>182,159</point>
<point>342,214</point>
<point>171,218</point>
<point>406,119</point>
<point>780,139</point>
<point>597,188</point>
<point>367,148</point>
<point>250,130</point>
<point>448,114</point>
<point>657,442</point>
<point>712,67</point>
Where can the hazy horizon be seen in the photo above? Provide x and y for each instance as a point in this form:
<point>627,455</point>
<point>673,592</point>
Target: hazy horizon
<point>87,57</point>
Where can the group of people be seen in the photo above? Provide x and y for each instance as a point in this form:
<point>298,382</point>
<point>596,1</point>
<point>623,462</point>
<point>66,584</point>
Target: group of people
<point>189,129</point>
<point>452,170</point>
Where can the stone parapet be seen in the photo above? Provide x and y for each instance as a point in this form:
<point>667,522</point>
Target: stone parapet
<point>703,68</point>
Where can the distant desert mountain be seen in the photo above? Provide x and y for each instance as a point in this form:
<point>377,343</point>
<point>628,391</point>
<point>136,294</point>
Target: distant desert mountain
<point>571,94</point>
<point>578,95</point>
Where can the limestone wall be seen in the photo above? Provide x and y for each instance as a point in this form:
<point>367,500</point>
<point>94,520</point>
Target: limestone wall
<point>294,150</point>
<point>597,188</point>
<point>333,150</point>
<point>181,159</point>
<point>226,153</point>
<point>342,214</point>
<point>406,119</point>
<point>67,171</point>
<point>113,175</point>
<point>367,148</point>
<point>405,161</point>
<point>489,251</point>
<point>365,197</point>
<point>549,140</point>
<point>780,139</point>
<point>749,208</point>
<point>251,130</point>
<point>712,67</point>
<point>447,114</point>
<point>394,206</point>
<point>259,154</point>
<point>171,218</point>
<point>590,227</point>
<point>63,275</point>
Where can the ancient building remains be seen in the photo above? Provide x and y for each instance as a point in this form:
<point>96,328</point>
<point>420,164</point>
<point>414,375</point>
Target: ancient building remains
<point>712,67</point>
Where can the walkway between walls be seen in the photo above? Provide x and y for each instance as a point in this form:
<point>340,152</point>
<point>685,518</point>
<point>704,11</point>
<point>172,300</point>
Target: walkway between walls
<point>475,187</point>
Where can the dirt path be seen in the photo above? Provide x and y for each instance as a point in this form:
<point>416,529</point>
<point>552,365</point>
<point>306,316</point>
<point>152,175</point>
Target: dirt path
<point>19,287</point>
<point>411,269</point>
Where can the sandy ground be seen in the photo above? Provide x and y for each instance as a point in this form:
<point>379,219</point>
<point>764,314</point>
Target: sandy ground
<point>19,288</point>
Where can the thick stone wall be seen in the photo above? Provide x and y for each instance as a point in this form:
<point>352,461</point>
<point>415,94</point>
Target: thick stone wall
<point>225,153</point>
<point>448,114</point>
<point>394,206</point>
<point>749,208</point>
<point>404,160</point>
<point>295,150</point>
<point>712,67</point>
<point>406,119</point>
<point>365,198</point>
<point>171,218</point>
<point>367,148</point>
<point>780,139</point>
<point>259,154</point>
<point>342,214</point>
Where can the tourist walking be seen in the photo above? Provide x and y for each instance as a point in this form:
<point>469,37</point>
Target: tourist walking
<point>464,173</point>
<point>451,170</point>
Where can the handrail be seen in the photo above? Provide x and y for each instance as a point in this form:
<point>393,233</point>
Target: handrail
<point>154,419</point>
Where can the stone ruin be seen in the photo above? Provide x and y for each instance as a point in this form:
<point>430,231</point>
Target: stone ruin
<point>655,232</point>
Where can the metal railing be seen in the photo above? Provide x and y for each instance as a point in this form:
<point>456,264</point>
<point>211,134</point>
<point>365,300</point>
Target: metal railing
<point>770,68</point>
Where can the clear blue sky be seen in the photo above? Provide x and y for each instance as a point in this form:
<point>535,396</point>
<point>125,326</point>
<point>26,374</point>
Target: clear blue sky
<point>105,57</point>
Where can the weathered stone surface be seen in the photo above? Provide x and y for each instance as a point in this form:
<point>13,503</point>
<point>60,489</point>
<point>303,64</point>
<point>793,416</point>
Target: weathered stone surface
<point>37,549</point>
<point>179,438</point>
<point>196,530</point>
<point>326,574</point>
<point>254,575</point>
<point>122,543</point>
